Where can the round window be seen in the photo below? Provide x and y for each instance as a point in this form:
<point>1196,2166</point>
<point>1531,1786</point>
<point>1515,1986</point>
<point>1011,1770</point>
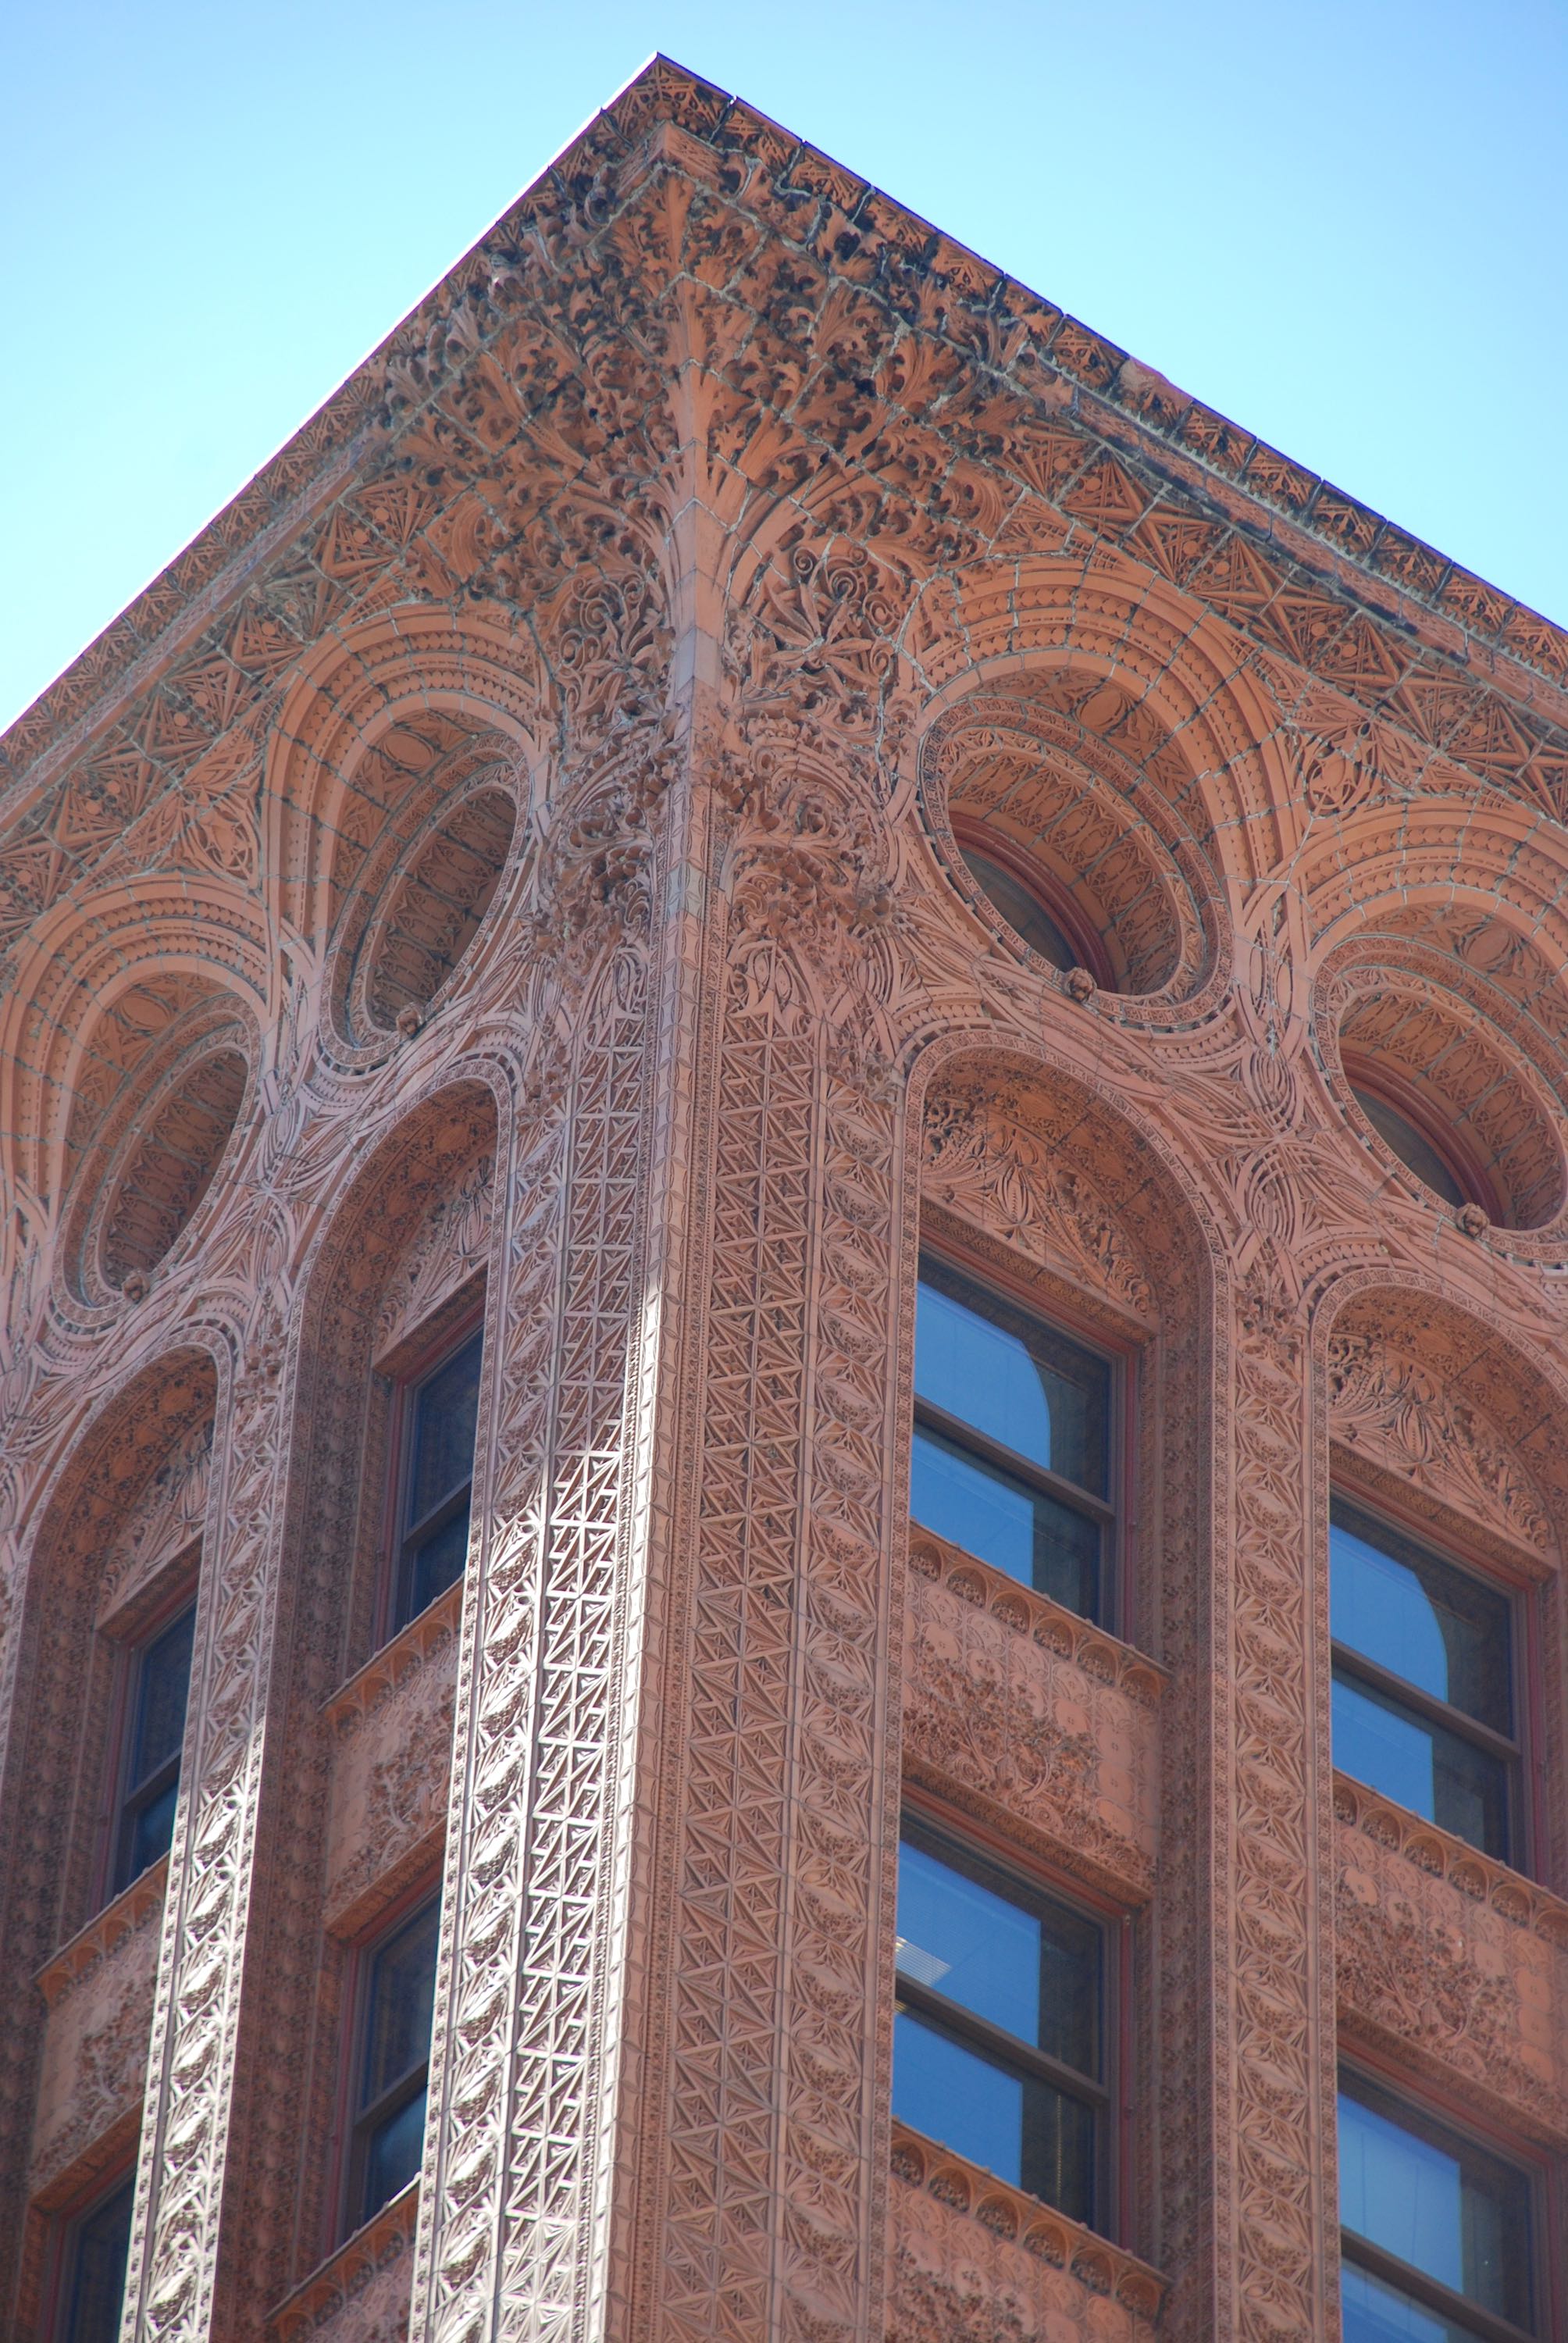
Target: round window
<point>1022,908</point>
<point>1409,1129</point>
<point>168,1166</point>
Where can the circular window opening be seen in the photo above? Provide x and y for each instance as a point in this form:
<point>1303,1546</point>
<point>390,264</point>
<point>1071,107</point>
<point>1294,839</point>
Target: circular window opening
<point>1409,1129</point>
<point>1040,912</point>
<point>170,1164</point>
<point>435,905</point>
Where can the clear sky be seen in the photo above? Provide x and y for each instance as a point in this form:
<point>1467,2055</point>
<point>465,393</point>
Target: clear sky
<point>1341,223</point>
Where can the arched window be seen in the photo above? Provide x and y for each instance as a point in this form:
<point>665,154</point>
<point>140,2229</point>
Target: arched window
<point>1424,1706</point>
<point>436,1414</point>
<point>1011,1454</point>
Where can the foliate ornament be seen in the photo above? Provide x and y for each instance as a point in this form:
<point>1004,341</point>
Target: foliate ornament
<point>822,630</point>
<point>173,2270</point>
<point>985,1166</point>
<point>591,882</point>
<point>451,1247</point>
<point>1407,1966</point>
<point>1397,1413</point>
<point>168,1517</point>
<point>1280,2015</point>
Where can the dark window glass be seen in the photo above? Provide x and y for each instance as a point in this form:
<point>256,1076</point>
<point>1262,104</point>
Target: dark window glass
<point>1414,1150</point>
<point>443,1412</point>
<point>399,1997</point>
<point>1422,1767</point>
<point>1423,1703</point>
<point>150,1780</point>
<point>1012,1436</point>
<point>997,2048</point>
<point>1431,2224</point>
<point>95,2277</point>
<point>1025,914</point>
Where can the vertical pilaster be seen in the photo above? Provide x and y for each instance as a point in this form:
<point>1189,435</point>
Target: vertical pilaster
<point>765,2167</point>
<point>183,2164</point>
<point>1273,1988</point>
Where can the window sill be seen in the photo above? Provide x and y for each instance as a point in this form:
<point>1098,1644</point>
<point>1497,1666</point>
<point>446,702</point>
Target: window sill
<point>348,2270</point>
<point>409,1648</point>
<point>1022,2220</point>
<point>1438,1852</point>
<point>1096,1650</point>
<point>105,1931</point>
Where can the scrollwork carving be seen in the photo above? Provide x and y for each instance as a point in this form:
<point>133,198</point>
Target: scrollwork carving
<point>1391,1407</point>
<point>988,1166</point>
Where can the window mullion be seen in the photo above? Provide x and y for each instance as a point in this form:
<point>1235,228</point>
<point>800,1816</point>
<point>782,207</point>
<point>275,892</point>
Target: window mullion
<point>1426,1704</point>
<point>1011,2046</point>
<point>1022,1468</point>
<point>1432,2292</point>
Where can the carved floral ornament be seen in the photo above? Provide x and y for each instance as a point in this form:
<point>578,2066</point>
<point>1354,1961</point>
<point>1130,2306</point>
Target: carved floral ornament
<point>984,1164</point>
<point>1082,828</point>
<point>1399,1412</point>
<point>792,1495</point>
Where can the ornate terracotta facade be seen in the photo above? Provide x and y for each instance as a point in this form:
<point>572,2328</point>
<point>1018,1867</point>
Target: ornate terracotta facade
<point>516,853</point>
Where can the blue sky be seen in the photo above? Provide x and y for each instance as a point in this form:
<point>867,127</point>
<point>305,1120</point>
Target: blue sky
<point>1342,225</point>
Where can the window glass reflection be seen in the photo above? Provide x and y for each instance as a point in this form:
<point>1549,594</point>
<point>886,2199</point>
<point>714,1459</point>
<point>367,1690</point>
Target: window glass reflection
<point>400,1993</point>
<point>149,1792</point>
<point>1022,1962</point>
<point>445,1410</point>
<point>1012,1377</point>
<point>1442,2206</point>
<point>1422,1692</point>
<point>1415,1615</point>
<point>1435,1774</point>
<point>1023,1531</point>
<point>96,2279</point>
<point>976,1944</point>
<point>442,1419</point>
<point>1376,2312</point>
<point>1017,2125</point>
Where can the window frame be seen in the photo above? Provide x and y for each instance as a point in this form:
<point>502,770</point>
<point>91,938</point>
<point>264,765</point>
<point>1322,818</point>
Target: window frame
<point>182,1593</point>
<point>1112,1514</point>
<point>1429,2293</point>
<point>62,2266</point>
<point>1112,1922</point>
<point>359,2123</point>
<point>1513,1753</point>
<point>400,1540</point>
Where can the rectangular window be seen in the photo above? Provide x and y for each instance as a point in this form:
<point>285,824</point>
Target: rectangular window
<point>149,1782</point>
<point>1436,2233</point>
<point>440,1413</point>
<point>93,2280</point>
<point>399,1991</point>
<point>1424,1682</point>
<point>999,2040</point>
<point>1011,1456</point>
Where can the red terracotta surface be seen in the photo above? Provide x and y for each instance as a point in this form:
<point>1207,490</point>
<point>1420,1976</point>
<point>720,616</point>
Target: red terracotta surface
<point>508,864</point>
